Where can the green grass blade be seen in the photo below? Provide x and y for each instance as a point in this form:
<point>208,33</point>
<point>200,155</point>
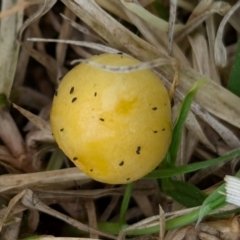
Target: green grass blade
<point>3,101</point>
<point>190,217</point>
<point>170,172</point>
<point>161,10</point>
<point>125,203</point>
<point>184,193</point>
<point>178,126</point>
<point>181,221</point>
<point>215,197</point>
<point>111,227</point>
<point>175,222</point>
<point>56,160</point>
<point>234,79</point>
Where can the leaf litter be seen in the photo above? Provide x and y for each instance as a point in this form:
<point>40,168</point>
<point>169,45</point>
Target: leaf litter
<point>125,27</point>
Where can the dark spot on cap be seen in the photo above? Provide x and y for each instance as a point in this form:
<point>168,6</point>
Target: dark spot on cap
<point>74,99</point>
<point>75,158</point>
<point>128,179</point>
<point>102,119</point>
<point>61,129</point>
<point>154,109</point>
<point>163,129</point>
<point>95,94</point>
<point>138,150</point>
<point>121,163</point>
<point>91,170</point>
<point>155,131</point>
<point>60,79</point>
<point>120,53</point>
<point>71,90</point>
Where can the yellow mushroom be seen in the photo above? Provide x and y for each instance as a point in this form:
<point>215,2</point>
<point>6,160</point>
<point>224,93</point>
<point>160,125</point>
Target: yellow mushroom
<point>115,127</point>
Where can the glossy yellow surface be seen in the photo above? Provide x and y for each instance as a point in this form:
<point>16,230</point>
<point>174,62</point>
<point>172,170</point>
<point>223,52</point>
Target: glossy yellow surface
<point>116,127</point>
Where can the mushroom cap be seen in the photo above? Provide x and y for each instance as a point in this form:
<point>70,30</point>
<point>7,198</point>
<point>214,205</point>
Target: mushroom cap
<point>115,127</point>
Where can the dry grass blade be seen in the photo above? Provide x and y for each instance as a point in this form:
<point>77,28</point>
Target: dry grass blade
<point>227,134</point>
<point>28,97</point>
<point>156,38</point>
<point>42,10</point>
<point>30,200</point>
<point>171,215</point>
<point>141,66</point>
<point>11,205</point>
<point>200,9</point>
<point>61,49</point>
<point>33,221</point>
<point>193,124</point>
<point>21,69</point>
<point>85,194</point>
<point>45,59</point>
<point>113,7</point>
<point>191,143</point>
<point>12,230</point>
<point>79,28</point>
<point>12,182</point>
<point>224,102</point>
<point>216,7</point>
<point>63,196</point>
<point>37,121</point>
<point>13,141</point>
<point>48,237</point>
<point>200,175</point>
<point>178,234</point>
<point>149,222</point>
<point>144,204</point>
<point>99,47</point>
<point>109,209</point>
<point>9,47</point>
<point>110,30</point>
<point>92,218</point>
<point>220,51</point>
<point>19,6</point>
<point>136,8</point>
<point>200,54</point>
<point>171,25</point>
<point>161,223</point>
<point>211,32</point>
